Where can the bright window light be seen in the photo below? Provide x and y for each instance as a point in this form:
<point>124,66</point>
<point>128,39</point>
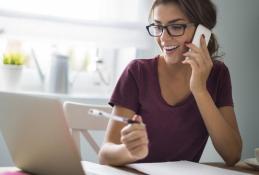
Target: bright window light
<point>113,10</point>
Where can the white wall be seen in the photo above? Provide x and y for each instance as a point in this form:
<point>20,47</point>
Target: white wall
<point>237,31</point>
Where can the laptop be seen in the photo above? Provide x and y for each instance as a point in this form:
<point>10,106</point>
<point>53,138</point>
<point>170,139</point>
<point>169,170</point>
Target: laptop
<point>37,135</point>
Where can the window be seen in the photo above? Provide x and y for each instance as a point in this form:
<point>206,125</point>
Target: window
<point>78,28</point>
<point>101,10</point>
<point>105,22</point>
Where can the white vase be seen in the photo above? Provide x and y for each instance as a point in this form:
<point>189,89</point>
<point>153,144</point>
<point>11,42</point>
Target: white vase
<point>10,77</point>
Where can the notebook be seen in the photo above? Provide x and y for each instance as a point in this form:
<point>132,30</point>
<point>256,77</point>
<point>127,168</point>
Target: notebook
<point>37,136</point>
<point>181,167</point>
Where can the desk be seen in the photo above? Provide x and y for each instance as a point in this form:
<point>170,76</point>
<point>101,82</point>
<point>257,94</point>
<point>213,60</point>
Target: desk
<point>91,169</point>
<point>240,166</point>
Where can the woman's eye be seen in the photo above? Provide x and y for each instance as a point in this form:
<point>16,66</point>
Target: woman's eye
<point>176,27</point>
<point>158,27</point>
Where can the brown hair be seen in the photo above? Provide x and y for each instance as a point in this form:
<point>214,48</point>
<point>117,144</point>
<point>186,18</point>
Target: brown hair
<point>199,12</point>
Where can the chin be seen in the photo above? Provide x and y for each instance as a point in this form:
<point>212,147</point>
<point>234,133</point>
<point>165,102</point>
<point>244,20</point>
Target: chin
<point>173,59</point>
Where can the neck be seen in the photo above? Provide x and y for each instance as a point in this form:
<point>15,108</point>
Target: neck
<point>177,70</point>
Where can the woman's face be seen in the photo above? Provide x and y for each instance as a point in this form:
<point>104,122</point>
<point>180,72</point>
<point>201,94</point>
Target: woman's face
<point>172,47</point>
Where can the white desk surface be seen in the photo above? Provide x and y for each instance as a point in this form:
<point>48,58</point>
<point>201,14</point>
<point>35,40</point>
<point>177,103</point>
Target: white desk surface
<point>97,169</point>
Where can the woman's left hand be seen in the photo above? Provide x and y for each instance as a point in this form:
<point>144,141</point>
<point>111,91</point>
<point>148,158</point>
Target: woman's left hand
<point>201,64</point>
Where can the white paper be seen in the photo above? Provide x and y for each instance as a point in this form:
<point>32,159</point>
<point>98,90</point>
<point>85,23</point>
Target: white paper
<point>182,168</point>
<point>97,169</point>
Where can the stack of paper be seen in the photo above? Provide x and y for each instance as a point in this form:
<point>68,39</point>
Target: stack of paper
<point>97,169</point>
<point>181,167</point>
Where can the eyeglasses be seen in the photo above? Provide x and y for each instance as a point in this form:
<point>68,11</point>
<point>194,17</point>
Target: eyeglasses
<point>156,30</point>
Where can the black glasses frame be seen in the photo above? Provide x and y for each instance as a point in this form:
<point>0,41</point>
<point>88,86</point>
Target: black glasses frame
<point>168,31</point>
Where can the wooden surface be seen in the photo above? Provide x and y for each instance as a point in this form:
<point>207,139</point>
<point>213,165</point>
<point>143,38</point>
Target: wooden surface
<point>240,166</point>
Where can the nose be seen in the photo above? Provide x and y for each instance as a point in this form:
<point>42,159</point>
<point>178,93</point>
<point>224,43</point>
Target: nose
<point>165,35</point>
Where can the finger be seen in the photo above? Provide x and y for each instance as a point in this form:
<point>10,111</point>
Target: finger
<point>133,136</point>
<point>137,118</point>
<point>192,63</point>
<point>206,55</point>
<point>203,41</point>
<point>138,150</point>
<point>131,127</point>
<point>198,54</point>
<point>137,143</point>
<point>135,150</point>
<point>204,48</point>
<point>195,57</point>
<point>193,47</point>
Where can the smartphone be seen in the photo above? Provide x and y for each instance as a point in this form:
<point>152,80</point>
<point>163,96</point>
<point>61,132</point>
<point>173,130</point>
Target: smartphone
<point>197,36</point>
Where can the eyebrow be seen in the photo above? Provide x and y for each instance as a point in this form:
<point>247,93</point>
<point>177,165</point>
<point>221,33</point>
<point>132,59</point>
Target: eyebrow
<point>169,22</point>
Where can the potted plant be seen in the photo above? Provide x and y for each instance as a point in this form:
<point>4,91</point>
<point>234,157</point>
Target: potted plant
<point>11,70</point>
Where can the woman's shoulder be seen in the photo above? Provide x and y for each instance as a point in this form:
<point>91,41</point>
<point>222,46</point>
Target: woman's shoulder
<point>219,65</point>
<point>219,68</point>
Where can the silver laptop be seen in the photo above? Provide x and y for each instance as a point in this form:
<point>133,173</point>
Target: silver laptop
<point>37,136</point>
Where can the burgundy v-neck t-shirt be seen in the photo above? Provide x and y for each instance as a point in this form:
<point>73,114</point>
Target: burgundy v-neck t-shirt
<point>175,132</point>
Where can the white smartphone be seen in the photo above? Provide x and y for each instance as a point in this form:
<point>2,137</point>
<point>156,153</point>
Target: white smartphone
<point>197,36</point>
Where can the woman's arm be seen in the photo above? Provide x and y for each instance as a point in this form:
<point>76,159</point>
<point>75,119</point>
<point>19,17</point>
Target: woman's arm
<point>220,122</point>
<point>124,143</point>
<point>222,127</point>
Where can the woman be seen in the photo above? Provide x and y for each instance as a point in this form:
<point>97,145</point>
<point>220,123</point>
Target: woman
<point>179,97</point>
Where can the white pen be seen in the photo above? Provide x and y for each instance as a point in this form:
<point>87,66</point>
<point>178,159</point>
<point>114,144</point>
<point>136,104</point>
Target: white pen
<point>99,113</point>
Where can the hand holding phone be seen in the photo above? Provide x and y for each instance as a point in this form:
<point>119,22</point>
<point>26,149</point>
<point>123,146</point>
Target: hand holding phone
<point>198,33</point>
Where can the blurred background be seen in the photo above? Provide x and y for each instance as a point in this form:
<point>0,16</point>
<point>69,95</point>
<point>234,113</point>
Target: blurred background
<point>100,37</point>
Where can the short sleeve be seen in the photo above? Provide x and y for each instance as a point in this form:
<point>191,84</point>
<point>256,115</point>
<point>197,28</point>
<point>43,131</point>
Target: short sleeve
<point>126,91</point>
<point>224,95</point>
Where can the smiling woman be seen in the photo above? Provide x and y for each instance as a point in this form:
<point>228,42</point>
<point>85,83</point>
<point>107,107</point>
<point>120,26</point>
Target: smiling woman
<point>180,97</point>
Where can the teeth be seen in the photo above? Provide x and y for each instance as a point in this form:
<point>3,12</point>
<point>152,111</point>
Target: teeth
<point>170,47</point>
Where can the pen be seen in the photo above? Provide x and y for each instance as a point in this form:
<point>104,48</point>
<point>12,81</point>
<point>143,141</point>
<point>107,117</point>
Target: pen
<point>99,113</point>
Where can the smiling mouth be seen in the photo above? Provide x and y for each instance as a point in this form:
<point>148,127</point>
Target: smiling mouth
<point>170,48</point>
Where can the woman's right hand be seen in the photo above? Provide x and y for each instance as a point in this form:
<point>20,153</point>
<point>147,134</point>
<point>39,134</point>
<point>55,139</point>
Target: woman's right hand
<point>134,137</point>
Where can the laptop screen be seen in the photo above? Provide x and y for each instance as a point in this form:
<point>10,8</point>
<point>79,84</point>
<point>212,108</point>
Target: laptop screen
<point>37,136</point>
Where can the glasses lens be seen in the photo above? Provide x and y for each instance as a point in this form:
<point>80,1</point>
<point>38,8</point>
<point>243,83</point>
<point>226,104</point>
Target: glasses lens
<point>172,29</point>
<point>176,29</point>
<point>155,30</point>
